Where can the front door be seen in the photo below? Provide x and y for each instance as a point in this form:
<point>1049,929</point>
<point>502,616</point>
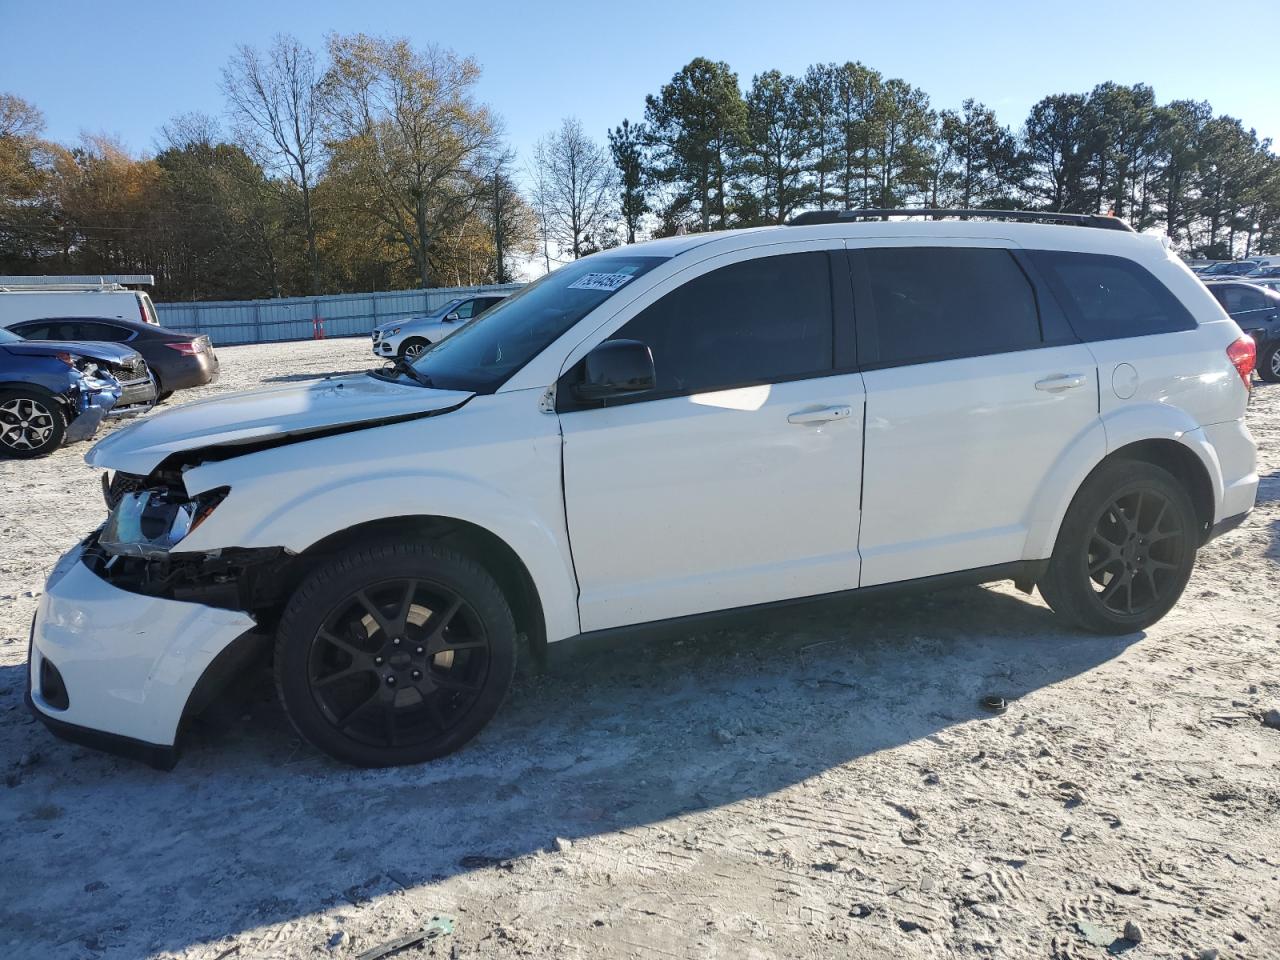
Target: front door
<point>735,481</point>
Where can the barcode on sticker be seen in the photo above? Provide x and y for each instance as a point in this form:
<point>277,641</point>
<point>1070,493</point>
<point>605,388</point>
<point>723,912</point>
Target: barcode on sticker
<point>600,281</point>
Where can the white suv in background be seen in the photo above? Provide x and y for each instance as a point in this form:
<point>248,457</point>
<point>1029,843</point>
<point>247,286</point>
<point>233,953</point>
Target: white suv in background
<point>410,337</point>
<point>667,430</point>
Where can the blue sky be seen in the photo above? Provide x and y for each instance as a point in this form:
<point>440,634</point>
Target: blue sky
<point>124,69</point>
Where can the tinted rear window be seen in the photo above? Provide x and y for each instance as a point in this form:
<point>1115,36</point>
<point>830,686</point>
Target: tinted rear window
<point>1107,298</point>
<point>939,303</point>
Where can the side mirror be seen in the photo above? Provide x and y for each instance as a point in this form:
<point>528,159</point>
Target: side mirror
<point>451,317</point>
<point>616,368</point>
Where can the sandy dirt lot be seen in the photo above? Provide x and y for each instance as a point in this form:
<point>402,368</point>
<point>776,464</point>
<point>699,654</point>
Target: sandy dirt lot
<point>820,782</point>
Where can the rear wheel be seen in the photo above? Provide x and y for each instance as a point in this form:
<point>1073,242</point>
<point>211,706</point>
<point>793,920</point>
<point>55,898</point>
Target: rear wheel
<point>414,347</point>
<point>31,424</point>
<point>394,654</point>
<point>1125,550</point>
<point>1269,364</point>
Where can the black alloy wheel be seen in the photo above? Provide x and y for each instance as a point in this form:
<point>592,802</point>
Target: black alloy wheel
<point>399,662</point>
<point>1136,551</point>
<point>394,653</point>
<point>1125,549</point>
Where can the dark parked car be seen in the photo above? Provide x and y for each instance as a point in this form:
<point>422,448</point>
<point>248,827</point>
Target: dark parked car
<point>177,360</point>
<point>1229,268</point>
<point>50,393</point>
<point>1257,310</point>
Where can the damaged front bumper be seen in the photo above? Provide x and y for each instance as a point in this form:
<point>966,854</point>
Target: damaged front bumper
<point>118,669</point>
<point>91,403</point>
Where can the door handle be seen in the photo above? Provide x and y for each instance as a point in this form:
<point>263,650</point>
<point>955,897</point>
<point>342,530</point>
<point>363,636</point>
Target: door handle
<point>825,415</point>
<point>1063,381</point>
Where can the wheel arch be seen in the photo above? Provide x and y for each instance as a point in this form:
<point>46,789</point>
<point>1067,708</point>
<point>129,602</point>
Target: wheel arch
<point>1170,440</point>
<point>490,550</point>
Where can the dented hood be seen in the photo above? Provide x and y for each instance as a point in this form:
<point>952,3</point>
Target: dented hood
<point>256,417</point>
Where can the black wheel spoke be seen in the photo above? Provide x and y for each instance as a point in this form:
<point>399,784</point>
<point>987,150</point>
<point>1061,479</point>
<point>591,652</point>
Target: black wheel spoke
<point>372,609</point>
<point>370,650</point>
<point>360,707</point>
<point>333,640</point>
<point>357,667</point>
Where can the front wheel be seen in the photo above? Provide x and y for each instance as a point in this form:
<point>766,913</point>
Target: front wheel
<point>413,348</point>
<point>395,653</point>
<point>1269,364</point>
<point>31,424</point>
<point>1125,549</point>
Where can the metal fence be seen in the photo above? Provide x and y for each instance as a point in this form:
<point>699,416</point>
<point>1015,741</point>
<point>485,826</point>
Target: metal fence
<point>230,322</point>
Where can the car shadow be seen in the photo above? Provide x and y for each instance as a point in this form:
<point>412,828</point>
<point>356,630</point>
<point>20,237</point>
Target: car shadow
<point>253,828</point>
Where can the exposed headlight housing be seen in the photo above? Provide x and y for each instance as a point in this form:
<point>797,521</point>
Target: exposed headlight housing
<point>150,523</point>
<point>392,332</point>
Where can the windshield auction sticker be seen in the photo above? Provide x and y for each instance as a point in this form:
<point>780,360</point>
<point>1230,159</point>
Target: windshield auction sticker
<point>600,281</point>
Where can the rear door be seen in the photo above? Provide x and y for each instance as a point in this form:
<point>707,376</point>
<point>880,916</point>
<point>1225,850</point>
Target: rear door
<point>974,390</point>
<point>736,481</point>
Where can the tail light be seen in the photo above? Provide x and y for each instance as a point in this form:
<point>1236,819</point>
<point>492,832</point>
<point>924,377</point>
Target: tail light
<point>142,311</point>
<point>186,347</point>
<point>1243,355</point>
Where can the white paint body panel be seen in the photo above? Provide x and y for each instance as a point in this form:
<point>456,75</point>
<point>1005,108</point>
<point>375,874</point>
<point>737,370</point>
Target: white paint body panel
<point>261,415</point>
<point>693,504</point>
<point>673,506</point>
<point>956,452</point>
<point>130,662</point>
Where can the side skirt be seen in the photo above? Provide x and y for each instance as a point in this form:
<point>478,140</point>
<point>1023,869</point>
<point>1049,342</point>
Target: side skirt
<point>1025,573</point>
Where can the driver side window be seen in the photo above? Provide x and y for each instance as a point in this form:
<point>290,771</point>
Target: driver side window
<point>464,309</point>
<point>764,320</point>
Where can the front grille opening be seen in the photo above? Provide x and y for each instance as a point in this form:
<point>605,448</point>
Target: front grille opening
<point>52,689</point>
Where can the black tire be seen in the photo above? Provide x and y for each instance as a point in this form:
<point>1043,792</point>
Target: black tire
<point>32,424</point>
<point>1269,363</point>
<point>162,396</point>
<point>394,653</point>
<point>414,347</point>
<point>1125,550</point>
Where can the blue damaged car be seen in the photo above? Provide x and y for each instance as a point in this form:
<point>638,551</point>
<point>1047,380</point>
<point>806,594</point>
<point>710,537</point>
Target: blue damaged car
<point>51,393</point>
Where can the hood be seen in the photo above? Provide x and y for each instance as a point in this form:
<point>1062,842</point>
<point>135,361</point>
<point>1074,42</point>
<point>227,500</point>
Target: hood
<point>104,352</point>
<point>276,415</point>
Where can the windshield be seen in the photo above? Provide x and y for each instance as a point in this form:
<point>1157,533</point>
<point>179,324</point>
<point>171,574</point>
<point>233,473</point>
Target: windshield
<point>482,355</point>
<point>441,311</point>
<point>8,336</point>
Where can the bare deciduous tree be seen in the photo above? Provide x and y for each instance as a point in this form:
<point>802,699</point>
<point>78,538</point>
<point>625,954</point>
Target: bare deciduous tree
<point>405,121</point>
<point>574,187</point>
<point>273,98</point>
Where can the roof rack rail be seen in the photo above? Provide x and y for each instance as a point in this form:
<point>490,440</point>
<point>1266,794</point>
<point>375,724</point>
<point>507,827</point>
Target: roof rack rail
<point>1028,216</point>
<point>106,281</point>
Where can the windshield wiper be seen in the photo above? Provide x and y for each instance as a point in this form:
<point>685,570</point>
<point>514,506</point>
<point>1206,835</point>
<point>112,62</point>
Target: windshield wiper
<point>404,365</point>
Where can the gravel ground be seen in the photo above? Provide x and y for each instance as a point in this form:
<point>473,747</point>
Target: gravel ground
<point>818,782</point>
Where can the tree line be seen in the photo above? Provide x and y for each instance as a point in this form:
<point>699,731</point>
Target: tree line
<point>374,166</point>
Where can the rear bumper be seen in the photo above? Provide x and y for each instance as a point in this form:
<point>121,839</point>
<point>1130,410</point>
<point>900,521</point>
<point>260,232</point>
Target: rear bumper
<point>190,372</point>
<point>1237,456</point>
<point>128,663</point>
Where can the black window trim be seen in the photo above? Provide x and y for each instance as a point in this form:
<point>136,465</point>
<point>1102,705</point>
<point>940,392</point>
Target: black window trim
<point>865,310</point>
<point>838,277</point>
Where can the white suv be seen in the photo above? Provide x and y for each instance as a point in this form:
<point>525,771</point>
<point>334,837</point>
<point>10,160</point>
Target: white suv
<point>691,425</point>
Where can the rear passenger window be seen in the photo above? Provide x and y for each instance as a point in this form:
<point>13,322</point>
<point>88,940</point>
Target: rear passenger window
<point>1108,298</point>
<point>757,321</point>
<point>938,303</point>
